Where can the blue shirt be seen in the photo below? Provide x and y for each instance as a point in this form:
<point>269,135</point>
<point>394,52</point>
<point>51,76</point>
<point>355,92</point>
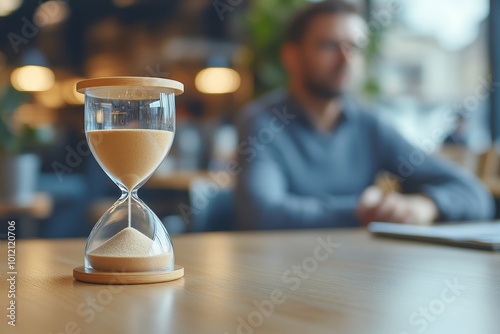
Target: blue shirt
<point>293,176</point>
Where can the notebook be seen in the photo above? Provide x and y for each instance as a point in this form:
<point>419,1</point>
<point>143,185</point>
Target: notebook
<point>481,235</point>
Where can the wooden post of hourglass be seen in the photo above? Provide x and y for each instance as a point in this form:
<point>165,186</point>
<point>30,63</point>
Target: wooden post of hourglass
<point>129,152</point>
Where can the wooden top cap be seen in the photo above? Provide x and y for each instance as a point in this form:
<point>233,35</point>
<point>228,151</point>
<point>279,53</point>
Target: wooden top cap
<point>175,86</point>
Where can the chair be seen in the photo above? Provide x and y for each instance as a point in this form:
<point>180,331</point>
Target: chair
<point>462,156</point>
<point>489,170</point>
<point>212,206</point>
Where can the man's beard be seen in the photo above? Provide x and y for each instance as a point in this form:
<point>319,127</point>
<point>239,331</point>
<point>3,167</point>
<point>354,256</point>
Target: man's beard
<point>322,91</point>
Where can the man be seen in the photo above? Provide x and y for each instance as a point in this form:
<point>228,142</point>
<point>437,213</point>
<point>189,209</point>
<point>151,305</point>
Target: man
<point>309,157</point>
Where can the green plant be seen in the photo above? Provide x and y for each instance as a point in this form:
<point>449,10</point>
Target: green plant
<point>371,86</point>
<point>266,23</point>
<point>14,141</point>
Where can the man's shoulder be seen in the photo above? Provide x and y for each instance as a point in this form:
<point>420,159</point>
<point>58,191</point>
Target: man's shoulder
<point>264,107</point>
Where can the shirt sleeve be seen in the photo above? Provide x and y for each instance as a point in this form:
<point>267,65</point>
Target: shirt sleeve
<point>458,194</point>
<point>263,199</point>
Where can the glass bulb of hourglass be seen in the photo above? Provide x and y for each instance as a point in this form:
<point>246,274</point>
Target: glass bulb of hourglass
<point>129,156</point>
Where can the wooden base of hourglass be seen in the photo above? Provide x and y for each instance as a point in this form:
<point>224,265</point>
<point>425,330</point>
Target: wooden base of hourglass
<point>107,277</point>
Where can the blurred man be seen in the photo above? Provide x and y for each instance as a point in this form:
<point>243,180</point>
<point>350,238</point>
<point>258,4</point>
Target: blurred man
<point>309,156</point>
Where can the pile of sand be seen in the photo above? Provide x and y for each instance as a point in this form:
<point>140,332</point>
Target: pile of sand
<point>129,250</point>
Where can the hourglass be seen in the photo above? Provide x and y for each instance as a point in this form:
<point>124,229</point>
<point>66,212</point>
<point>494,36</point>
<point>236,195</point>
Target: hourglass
<point>129,125</point>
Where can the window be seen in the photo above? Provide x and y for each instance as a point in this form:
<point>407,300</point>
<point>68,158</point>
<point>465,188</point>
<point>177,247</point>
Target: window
<point>432,70</point>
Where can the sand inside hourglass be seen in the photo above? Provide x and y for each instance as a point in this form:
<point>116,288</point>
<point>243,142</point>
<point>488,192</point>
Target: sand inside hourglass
<point>129,156</point>
<point>128,251</point>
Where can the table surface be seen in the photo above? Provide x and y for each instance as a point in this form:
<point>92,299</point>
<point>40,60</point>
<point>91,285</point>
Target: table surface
<point>176,180</point>
<point>40,207</point>
<point>181,180</point>
<point>322,281</point>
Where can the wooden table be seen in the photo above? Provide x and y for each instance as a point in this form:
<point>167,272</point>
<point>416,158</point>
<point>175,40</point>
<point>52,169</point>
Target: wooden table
<point>182,180</point>
<point>28,214</point>
<point>176,180</point>
<point>40,207</point>
<point>277,282</point>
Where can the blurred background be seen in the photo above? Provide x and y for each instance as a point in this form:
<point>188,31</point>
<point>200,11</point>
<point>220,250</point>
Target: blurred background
<point>432,68</point>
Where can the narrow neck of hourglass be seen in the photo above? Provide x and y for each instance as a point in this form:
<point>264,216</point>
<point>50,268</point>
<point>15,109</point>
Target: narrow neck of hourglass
<point>131,187</point>
<point>126,192</point>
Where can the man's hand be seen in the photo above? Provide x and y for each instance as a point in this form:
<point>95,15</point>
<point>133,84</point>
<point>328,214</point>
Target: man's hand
<point>374,205</point>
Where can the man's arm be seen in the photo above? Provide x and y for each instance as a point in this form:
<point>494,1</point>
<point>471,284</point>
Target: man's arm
<point>265,203</point>
<point>263,199</point>
<point>458,194</point>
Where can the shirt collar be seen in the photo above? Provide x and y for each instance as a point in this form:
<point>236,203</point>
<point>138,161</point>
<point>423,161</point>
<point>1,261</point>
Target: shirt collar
<point>346,112</point>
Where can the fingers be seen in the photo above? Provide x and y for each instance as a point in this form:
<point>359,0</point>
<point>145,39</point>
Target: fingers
<point>374,206</point>
<point>423,210</point>
<point>392,208</point>
<point>371,197</point>
<point>369,201</point>
<point>395,207</point>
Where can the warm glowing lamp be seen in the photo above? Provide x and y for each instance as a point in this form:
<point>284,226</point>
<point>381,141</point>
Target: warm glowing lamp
<point>32,78</point>
<point>217,80</point>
